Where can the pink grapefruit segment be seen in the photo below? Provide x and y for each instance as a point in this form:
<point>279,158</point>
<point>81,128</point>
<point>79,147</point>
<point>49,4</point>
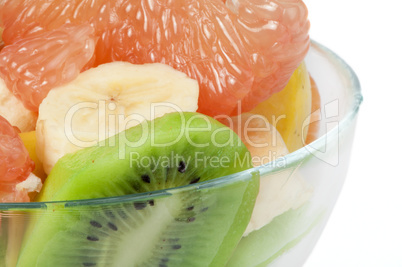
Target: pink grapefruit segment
<point>15,164</point>
<point>275,34</point>
<point>23,18</point>
<point>240,51</point>
<point>32,66</point>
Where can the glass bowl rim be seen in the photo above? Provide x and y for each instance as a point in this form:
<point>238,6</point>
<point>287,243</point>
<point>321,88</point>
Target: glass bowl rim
<point>290,159</point>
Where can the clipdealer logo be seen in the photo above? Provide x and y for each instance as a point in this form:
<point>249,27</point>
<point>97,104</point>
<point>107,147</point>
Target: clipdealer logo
<point>111,123</point>
<point>198,160</point>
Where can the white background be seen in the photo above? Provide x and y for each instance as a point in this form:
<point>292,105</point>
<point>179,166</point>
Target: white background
<point>365,228</point>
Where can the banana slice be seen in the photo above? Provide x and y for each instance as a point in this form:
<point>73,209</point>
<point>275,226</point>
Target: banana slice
<point>106,100</point>
<point>281,191</point>
<point>12,109</point>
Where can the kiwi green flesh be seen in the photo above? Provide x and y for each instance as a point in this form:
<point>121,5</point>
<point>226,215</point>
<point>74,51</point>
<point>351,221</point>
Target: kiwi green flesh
<point>12,225</point>
<point>263,246</point>
<point>167,158</point>
<point>199,227</point>
<point>3,238</point>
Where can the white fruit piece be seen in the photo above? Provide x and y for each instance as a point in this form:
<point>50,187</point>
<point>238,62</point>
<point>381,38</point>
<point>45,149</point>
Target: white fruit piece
<point>31,184</point>
<point>12,109</point>
<point>106,100</point>
<point>281,191</point>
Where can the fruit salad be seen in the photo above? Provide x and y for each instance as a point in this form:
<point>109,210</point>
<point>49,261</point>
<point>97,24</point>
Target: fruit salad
<point>110,99</point>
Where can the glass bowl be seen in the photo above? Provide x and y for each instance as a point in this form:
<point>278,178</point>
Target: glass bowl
<point>300,191</point>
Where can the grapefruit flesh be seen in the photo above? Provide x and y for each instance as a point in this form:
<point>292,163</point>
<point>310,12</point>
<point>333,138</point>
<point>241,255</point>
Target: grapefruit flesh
<point>241,52</point>
<point>32,66</point>
<point>1,40</point>
<point>15,163</point>
<point>23,18</point>
<point>240,56</point>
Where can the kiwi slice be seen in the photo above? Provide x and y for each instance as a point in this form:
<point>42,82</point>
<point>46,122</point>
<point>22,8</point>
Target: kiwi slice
<point>3,238</point>
<point>261,247</point>
<point>12,226</point>
<point>198,222</point>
